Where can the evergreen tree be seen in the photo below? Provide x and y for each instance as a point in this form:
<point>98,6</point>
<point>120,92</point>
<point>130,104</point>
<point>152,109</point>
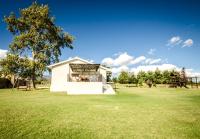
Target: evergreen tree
<point>183,78</point>
<point>141,76</point>
<point>166,77</point>
<point>158,76</point>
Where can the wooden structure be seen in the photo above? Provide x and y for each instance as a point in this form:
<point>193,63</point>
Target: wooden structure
<point>24,84</point>
<point>193,81</point>
<point>84,73</point>
<point>179,79</point>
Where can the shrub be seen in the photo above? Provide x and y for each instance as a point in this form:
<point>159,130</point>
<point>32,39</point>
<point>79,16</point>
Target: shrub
<point>5,83</point>
<point>149,83</point>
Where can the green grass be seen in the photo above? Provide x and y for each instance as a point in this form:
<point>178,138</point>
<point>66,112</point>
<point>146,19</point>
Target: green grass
<point>133,113</point>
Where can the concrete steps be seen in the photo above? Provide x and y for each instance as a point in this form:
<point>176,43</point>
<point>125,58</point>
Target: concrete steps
<point>107,89</point>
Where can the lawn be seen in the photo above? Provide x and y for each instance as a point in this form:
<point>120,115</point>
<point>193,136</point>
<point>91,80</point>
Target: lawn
<point>133,113</point>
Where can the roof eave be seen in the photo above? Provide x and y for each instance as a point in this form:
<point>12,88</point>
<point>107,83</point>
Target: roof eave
<point>67,61</point>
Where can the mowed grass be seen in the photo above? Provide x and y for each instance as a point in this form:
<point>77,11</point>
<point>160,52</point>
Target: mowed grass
<point>132,113</point>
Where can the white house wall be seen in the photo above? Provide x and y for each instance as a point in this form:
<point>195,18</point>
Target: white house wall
<point>77,88</point>
<point>103,73</point>
<point>59,78</point>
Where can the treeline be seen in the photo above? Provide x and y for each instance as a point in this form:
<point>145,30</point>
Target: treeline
<point>151,78</point>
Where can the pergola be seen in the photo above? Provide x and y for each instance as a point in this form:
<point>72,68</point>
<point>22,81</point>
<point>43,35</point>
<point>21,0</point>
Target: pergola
<point>82,71</point>
<point>84,67</point>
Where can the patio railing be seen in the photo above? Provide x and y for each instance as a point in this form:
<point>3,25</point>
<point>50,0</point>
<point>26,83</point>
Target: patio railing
<point>85,78</point>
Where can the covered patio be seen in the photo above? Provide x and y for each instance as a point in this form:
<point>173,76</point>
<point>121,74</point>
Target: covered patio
<point>84,73</point>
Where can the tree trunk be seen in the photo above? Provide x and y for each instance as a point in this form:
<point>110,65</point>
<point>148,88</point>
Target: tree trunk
<point>15,80</point>
<point>33,81</point>
<point>33,71</point>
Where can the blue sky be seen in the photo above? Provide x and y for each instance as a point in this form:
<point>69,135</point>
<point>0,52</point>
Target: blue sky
<point>157,32</point>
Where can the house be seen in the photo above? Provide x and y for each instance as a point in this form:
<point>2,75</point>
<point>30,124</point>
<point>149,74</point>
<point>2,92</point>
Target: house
<point>79,76</point>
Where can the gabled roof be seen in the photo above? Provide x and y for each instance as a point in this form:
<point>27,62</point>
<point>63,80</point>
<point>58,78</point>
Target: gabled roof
<point>68,61</point>
<point>73,59</point>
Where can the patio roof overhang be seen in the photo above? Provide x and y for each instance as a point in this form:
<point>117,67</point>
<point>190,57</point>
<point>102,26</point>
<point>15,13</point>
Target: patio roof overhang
<point>84,67</point>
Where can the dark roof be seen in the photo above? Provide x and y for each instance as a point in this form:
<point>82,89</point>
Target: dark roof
<point>84,67</point>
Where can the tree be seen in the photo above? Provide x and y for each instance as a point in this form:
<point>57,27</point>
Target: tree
<point>132,79</point>
<point>158,76</point>
<point>150,79</point>
<point>114,79</point>
<point>166,77</point>
<point>123,77</point>
<point>141,77</point>
<point>174,78</point>
<point>183,78</point>
<point>15,66</point>
<point>36,35</point>
<point>9,65</point>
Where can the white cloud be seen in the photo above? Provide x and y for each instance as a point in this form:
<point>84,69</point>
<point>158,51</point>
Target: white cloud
<point>187,43</point>
<point>91,60</point>
<point>117,70</point>
<point>122,59</point>
<point>107,61</point>
<point>191,73</point>
<point>128,60</point>
<point>117,54</point>
<point>151,51</point>
<point>147,68</point>
<point>138,60</point>
<point>152,61</point>
<point>3,53</point>
<point>176,40</point>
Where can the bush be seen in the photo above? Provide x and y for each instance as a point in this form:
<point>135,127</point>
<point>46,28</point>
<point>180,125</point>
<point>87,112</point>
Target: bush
<point>140,82</point>
<point>5,83</point>
<point>149,83</point>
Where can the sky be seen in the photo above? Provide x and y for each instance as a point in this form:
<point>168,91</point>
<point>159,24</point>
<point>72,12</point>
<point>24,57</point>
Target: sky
<point>124,34</point>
